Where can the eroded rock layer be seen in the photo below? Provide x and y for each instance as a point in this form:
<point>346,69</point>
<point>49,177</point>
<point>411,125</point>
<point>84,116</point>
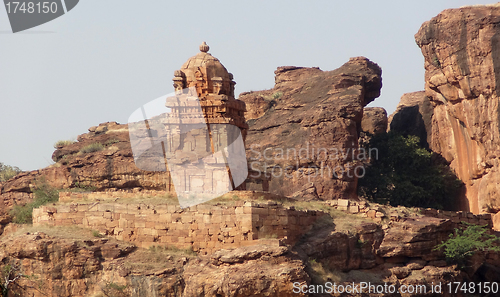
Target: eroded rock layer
<point>70,261</point>
<point>462,61</point>
<point>304,132</point>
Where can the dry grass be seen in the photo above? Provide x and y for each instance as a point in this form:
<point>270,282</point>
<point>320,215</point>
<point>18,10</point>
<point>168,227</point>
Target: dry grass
<point>225,200</point>
<point>150,200</point>
<point>63,143</point>
<point>320,274</point>
<point>343,221</point>
<point>156,258</point>
<point>347,222</point>
<point>168,199</point>
<point>63,232</point>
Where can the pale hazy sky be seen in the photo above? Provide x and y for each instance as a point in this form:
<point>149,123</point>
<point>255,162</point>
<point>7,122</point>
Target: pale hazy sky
<point>104,59</point>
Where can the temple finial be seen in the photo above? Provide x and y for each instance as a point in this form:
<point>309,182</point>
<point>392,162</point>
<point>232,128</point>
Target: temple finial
<point>204,47</point>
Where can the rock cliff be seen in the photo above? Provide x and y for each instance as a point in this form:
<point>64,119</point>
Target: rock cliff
<point>111,167</point>
<point>304,132</point>
<point>374,120</point>
<point>461,48</point>
<point>341,248</point>
<point>62,265</point>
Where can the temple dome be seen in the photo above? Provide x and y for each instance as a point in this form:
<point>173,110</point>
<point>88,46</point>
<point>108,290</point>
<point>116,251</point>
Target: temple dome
<point>214,67</point>
<point>205,70</point>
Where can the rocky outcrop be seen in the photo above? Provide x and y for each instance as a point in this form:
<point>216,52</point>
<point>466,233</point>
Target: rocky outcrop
<point>413,116</point>
<point>250,271</point>
<point>374,120</point>
<point>401,251</point>
<point>346,251</point>
<point>304,132</point>
<point>461,48</point>
<point>415,238</point>
<point>99,267</point>
<point>340,247</point>
<point>109,167</point>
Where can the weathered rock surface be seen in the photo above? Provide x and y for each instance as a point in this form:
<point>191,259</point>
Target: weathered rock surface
<point>66,262</point>
<point>96,267</point>
<point>401,252</point>
<point>250,271</point>
<point>304,132</point>
<point>111,168</point>
<point>413,116</point>
<point>461,48</point>
<point>346,251</point>
<point>374,120</point>
<point>415,238</point>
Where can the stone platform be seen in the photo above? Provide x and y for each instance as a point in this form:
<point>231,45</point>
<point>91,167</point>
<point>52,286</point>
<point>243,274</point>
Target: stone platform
<point>203,228</point>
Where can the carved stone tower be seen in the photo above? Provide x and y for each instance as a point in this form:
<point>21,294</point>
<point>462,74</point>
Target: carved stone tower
<point>214,87</point>
<point>205,128</point>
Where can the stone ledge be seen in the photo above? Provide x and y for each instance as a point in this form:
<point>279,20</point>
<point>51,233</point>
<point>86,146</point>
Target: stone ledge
<point>376,213</point>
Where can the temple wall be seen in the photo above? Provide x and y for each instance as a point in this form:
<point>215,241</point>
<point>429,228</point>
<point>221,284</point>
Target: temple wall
<point>376,213</point>
<point>203,228</point>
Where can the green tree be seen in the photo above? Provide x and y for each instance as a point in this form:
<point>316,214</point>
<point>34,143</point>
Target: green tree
<point>7,172</point>
<point>404,173</point>
<point>464,243</point>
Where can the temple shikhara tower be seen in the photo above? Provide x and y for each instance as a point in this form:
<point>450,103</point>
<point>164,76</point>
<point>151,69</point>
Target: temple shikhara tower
<point>196,135</point>
<point>203,131</point>
<point>214,87</point>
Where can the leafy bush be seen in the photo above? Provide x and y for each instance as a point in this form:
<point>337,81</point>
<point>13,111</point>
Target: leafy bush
<point>277,95</point>
<point>81,187</point>
<point>464,243</point>
<point>97,234</point>
<point>63,143</point>
<point>7,172</point>
<point>114,290</point>
<point>435,61</point>
<point>404,173</point>
<point>92,148</point>
<point>43,194</point>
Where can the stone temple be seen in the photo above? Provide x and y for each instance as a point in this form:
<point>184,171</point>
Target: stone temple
<point>205,131</point>
<point>197,135</point>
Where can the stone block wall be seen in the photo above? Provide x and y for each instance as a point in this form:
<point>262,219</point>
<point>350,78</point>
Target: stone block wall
<point>203,228</point>
<point>377,213</point>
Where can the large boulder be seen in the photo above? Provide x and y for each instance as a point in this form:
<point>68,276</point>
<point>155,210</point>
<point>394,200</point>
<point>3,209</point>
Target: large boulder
<point>374,120</point>
<point>304,132</point>
<point>413,116</point>
<point>461,48</point>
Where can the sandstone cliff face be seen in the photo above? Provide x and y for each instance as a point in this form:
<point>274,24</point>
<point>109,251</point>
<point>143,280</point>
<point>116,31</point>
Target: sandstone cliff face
<point>462,61</point>
<point>67,267</point>
<point>69,261</point>
<point>111,168</point>
<point>304,132</point>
